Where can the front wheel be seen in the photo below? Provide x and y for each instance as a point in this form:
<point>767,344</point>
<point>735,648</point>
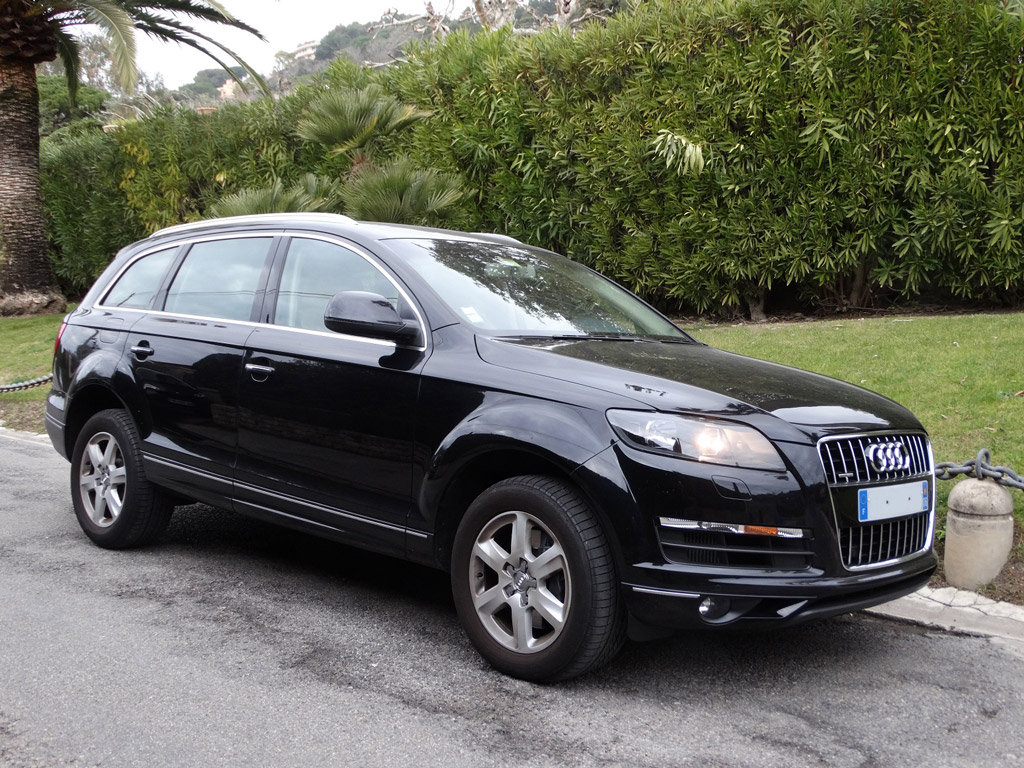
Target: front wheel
<point>115,504</point>
<point>534,581</point>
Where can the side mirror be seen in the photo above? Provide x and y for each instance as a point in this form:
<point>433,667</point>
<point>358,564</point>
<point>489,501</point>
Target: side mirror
<point>360,313</point>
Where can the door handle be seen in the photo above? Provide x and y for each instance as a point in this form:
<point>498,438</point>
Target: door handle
<point>143,350</point>
<point>259,372</point>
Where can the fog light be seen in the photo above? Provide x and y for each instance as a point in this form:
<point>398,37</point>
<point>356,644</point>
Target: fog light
<point>712,608</point>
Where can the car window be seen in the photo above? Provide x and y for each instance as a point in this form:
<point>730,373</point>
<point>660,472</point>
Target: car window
<point>219,278</point>
<point>315,270</point>
<point>516,290</point>
<point>137,284</point>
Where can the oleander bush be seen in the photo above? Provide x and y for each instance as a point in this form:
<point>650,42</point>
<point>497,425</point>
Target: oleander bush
<point>710,154</point>
<point>714,153</point>
<point>104,190</point>
<point>88,218</point>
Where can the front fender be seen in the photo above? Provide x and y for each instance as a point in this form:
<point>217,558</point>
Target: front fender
<point>556,434</point>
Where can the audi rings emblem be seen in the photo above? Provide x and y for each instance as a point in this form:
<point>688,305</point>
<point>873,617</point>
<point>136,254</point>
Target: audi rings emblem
<point>887,457</point>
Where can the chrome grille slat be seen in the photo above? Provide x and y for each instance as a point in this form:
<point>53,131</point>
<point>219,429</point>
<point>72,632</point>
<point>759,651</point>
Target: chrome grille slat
<point>844,460</point>
<point>883,541</point>
<point>849,455</point>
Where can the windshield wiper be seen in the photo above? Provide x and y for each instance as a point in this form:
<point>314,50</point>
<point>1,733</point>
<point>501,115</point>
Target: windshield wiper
<point>601,337</point>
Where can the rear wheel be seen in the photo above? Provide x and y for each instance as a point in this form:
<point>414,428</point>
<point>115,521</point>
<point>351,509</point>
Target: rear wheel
<point>534,581</point>
<point>115,504</point>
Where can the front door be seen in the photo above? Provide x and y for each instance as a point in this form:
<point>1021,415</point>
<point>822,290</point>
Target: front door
<point>326,420</point>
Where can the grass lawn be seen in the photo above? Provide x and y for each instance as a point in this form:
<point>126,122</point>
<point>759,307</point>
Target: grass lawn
<point>960,374</point>
<point>26,352</point>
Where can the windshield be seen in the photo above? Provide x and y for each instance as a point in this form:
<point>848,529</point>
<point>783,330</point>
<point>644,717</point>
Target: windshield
<point>511,290</point>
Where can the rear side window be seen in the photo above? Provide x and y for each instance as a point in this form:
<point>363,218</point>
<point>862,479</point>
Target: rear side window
<point>137,285</point>
<point>219,278</point>
<point>314,271</point>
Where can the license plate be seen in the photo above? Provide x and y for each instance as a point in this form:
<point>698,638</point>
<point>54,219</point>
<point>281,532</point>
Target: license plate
<point>892,501</point>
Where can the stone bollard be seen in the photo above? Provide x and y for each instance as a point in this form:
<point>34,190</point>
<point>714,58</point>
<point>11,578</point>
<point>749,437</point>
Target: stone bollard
<point>979,532</point>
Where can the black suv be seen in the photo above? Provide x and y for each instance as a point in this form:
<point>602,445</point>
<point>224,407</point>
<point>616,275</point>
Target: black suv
<point>580,465</point>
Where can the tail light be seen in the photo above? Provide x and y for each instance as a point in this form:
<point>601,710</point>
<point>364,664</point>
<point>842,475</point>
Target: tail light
<point>60,332</point>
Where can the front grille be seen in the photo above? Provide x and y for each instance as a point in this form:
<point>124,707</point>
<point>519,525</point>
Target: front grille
<point>845,459</point>
<point>847,466</point>
<point>873,543</point>
<point>734,550</point>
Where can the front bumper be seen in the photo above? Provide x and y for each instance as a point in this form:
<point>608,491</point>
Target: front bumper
<point>653,596</point>
<point>756,575</point>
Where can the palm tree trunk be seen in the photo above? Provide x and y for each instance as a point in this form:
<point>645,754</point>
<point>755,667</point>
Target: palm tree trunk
<point>27,284</point>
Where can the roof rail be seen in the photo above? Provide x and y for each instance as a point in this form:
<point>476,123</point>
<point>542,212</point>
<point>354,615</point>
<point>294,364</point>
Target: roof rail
<point>505,238</point>
<point>257,218</point>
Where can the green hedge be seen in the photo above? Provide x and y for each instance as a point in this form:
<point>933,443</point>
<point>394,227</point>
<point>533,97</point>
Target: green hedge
<point>88,218</point>
<point>707,154</point>
<point>847,145</point>
<point>101,190</point>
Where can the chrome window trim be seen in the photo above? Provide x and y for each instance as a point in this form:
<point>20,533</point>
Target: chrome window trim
<point>282,233</point>
<point>929,535</point>
<point>342,243</point>
<point>177,244</point>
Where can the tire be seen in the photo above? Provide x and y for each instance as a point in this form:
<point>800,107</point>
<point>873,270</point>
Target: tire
<point>534,581</point>
<point>115,504</point>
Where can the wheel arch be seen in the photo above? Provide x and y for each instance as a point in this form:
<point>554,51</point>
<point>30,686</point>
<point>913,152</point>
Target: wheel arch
<point>89,399</point>
<point>479,472</point>
<point>473,477</point>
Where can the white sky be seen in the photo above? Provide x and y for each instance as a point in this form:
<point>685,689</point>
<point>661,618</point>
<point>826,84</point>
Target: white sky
<point>284,23</point>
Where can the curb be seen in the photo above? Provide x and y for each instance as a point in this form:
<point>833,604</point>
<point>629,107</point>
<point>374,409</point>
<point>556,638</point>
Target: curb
<point>27,437</point>
<point>960,611</point>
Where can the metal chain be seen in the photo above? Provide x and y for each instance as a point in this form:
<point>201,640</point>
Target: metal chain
<point>27,384</point>
<point>981,469</point>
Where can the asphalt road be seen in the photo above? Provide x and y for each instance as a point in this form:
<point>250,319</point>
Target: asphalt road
<point>236,643</point>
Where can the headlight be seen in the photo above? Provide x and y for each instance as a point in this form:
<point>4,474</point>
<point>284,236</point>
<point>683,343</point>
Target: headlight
<point>715,442</point>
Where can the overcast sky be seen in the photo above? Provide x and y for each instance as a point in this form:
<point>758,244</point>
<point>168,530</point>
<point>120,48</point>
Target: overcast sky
<point>284,23</point>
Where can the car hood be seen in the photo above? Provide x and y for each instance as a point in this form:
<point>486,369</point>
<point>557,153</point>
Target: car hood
<point>785,403</point>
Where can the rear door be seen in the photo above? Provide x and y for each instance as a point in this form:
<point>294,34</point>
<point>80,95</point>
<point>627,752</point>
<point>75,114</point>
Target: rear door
<point>186,357</point>
<point>326,420</point>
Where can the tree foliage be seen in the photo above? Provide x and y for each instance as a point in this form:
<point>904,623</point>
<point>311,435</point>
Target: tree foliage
<point>711,152</point>
<point>178,165</point>
<point>56,109</point>
<point>34,32</point>
<point>709,155</point>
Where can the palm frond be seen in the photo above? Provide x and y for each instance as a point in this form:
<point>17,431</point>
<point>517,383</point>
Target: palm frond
<point>402,193</point>
<point>348,119</point>
<point>120,19</point>
<point>204,10</point>
<point>165,28</point>
<point>119,29</point>
<point>312,194</point>
<point>67,49</point>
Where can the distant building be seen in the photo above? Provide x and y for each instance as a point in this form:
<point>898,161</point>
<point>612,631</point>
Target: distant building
<point>306,51</point>
<point>230,90</point>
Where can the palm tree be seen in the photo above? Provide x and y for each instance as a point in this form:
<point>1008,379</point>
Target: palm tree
<point>353,120</point>
<point>35,31</point>
<point>400,192</point>
<point>311,193</point>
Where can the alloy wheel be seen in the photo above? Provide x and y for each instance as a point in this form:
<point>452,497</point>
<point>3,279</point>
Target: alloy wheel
<point>520,584</point>
<point>102,479</point>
